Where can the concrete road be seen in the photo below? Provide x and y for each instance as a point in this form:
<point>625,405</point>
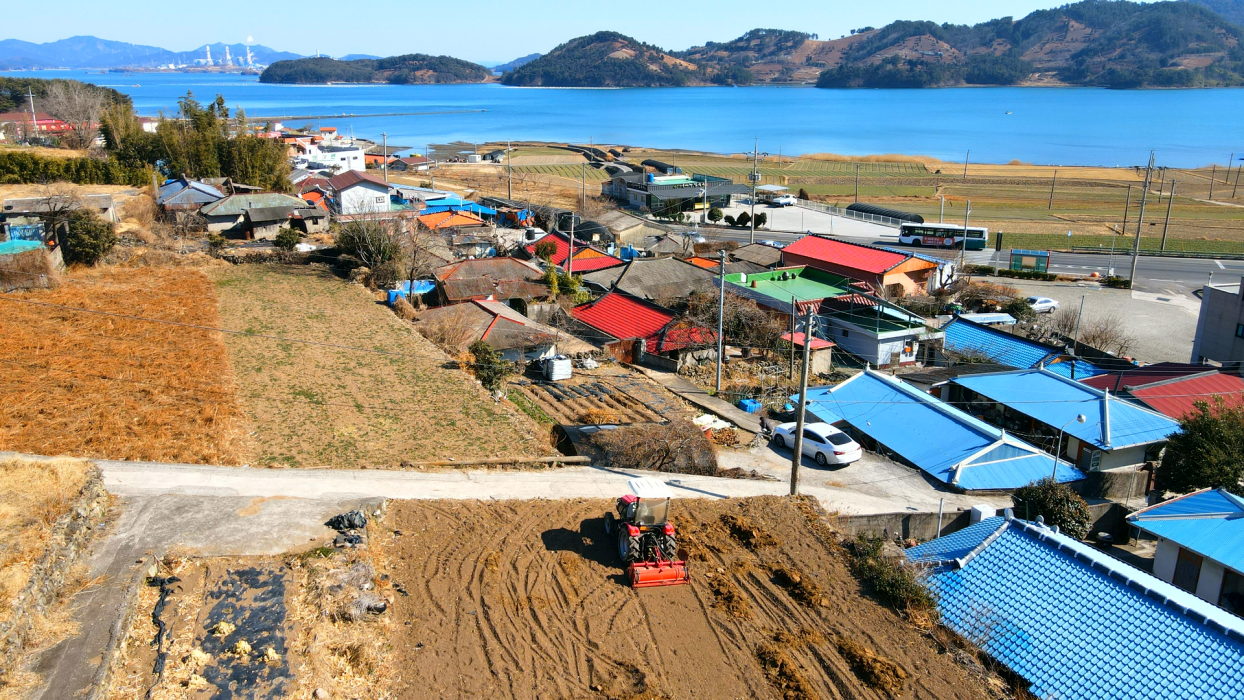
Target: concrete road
<point>1172,276</point>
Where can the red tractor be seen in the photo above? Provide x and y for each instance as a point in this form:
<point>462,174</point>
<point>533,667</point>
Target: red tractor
<point>646,541</point>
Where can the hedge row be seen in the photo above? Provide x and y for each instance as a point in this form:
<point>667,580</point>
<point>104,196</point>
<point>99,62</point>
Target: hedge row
<point>20,167</point>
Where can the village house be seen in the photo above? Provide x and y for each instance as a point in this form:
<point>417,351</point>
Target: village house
<point>887,415</point>
<point>1200,545</point>
<point>358,193</point>
<point>516,283</point>
<point>895,274</point>
<point>1114,434</point>
<point>1173,389</point>
<point>516,337</point>
<point>586,258</point>
<point>228,215</point>
<point>874,331</point>
<point>672,192</point>
<point>1220,326</point>
<point>665,281</point>
<point>970,342</point>
<point>640,332</point>
<point>1075,622</point>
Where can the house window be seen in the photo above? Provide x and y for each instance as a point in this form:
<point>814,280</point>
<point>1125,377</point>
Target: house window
<point>1187,570</point>
<point>379,200</point>
<point>846,333</point>
<point>1232,597</point>
<point>1239,330</point>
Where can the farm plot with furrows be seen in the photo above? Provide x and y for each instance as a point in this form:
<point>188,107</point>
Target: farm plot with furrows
<point>527,599</point>
<point>587,400</point>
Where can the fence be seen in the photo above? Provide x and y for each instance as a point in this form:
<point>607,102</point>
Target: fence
<point>847,213</point>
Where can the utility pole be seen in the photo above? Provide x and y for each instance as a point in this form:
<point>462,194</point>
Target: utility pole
<point>509,174</point>
<point>803,399</point>
<point>941,215</point>
<point>1161,182</point>
<point>385,155</point>
<point>1213,175</point>
<point>34,121</point>
<point>966,158</point>
<point>857,185</point>
<point>1140,222</point>
<point>1227,180</point>
<point>1052,184</point>
<point>1127,208</point>
<point>1169,201</point>
<point>1075,342</point>
<point>1236,186</point>
<point>721,312</point>
<point>794,323</point>
<point>755,177</point>
<point>570,256</point>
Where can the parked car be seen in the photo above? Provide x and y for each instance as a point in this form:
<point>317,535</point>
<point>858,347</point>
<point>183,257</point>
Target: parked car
<point>773,244</point>
<point>785,200</point>
<point>821,441</point>
<point>1043,305</point>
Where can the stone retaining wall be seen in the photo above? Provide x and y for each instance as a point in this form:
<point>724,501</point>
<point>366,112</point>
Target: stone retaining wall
<point>71,537</point>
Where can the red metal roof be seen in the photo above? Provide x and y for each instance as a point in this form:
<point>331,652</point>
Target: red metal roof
<point>858,257</point>
<point>817,343</point>
<point>624,316</point>
<point>1176,398</point>
<point>1141,376</point>
<point>599,262</point>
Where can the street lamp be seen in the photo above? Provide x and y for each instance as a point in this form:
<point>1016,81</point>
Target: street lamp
<point>1058,448</point>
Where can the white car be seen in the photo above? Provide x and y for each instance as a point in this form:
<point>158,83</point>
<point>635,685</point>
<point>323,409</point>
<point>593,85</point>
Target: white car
<point>786,200</point>
<point>1043,305</point>
<point>773,244</point>
<point>821,441</point>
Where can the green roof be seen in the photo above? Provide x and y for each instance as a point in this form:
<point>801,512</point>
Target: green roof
<point>875,320</point>
<point>807,284</point>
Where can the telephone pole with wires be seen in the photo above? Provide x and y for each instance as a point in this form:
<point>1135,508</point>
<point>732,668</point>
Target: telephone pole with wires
<point>797,457</point>
<point>1140,222</point>
<point>721,313</point>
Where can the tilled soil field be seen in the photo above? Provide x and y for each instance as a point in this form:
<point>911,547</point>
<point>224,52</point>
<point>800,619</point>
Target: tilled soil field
<point>587,399</point>
<point>527,600</point>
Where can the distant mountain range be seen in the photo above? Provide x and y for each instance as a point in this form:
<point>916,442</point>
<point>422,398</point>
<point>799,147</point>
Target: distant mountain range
<point>410,69</point>
<point>93,52</point>
<point>516,63</point>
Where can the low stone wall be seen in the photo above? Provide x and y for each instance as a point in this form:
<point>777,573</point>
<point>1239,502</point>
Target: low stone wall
<point>71,537</point>
<point>1107,517</point>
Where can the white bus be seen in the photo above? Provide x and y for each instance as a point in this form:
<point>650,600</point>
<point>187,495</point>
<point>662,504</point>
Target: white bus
<point>943,236</point>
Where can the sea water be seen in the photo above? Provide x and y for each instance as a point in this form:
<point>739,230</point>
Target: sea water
<point>1059,126</point>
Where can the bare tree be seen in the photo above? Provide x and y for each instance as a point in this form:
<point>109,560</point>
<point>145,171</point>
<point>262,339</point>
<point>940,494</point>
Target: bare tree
<point>57,201</point>
<point>1107,333</point>
<point>419,259</point>
<point>78,105</point>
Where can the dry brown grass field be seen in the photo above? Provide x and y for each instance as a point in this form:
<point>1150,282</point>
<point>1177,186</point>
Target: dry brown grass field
<point>361,388</point>
<point>84,375</point>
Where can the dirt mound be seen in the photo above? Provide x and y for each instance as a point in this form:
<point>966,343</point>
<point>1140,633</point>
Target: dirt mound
<point>875,670</point>
<point>527,599</point>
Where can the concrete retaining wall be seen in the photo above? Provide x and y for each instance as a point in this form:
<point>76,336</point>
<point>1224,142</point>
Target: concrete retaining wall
<point>1107,517</point>
<point>70,538</point>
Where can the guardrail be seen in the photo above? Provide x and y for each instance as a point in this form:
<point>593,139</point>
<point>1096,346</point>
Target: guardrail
<point>1162,253</point>
<point>848,214</point>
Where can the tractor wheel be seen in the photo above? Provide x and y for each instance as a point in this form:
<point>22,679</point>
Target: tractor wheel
<point>629,548</point>
<point>669,547</point>
<point>609,527</point>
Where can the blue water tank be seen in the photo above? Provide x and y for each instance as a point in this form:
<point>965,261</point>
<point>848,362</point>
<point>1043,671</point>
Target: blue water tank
<point>750,405</point>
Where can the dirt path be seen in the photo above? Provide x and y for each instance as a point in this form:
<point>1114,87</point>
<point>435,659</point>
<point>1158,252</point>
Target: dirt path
<point>526,600</point>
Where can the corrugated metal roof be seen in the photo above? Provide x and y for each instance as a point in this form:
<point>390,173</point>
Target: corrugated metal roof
<point>237,204</point>
<point>1148,374</point>
<point>1209,522</point>
<point>939,439</point>
<point>1054,400</point>
<point>965,337</point>
<point>759,253</point>
<point>1078,624</point>
<point>850,255</point>
<point>496,268</point>
<point>658,279</point>
<point>1178,398</point>
<point>353,177</point>
<point>623,316</point>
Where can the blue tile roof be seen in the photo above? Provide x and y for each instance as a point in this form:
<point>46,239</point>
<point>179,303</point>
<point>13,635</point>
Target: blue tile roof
<point>1210,523</point>
<point>963,336</point>
<point>939,439</point>
<point>1054,400</point>
<point>1076,623</point>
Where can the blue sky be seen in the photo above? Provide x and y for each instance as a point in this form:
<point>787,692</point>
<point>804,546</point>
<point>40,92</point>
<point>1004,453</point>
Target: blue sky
<point>478,30</point>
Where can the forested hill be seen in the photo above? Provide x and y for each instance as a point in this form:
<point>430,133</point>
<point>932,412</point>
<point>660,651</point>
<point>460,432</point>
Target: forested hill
<point>605,59</point>
<point>1231,9</point>
<point>410,69</point>
<point>1111,44</point>
<point>14,91</point>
